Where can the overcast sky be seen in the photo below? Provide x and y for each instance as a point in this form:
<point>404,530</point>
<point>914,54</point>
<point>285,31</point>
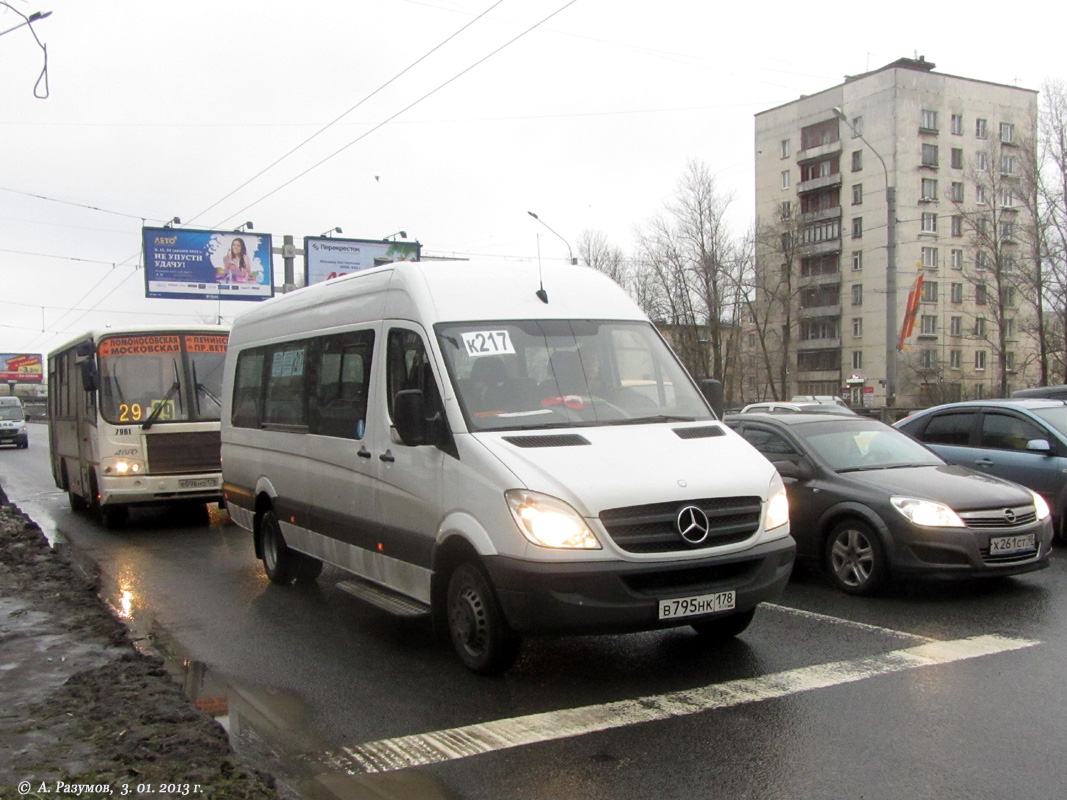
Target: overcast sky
<point>585,112</point>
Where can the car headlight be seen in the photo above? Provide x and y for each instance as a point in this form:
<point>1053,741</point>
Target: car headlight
<point>1043,511</point>
<point>777,513</point>
<point>927,513</point>
<point>549,522</point>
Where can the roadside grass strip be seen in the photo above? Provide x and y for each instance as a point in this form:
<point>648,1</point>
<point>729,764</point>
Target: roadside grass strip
<point>387,755</point>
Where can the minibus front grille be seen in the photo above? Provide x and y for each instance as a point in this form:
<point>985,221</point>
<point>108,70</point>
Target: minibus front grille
<point>654,528</point>
<point>188,452</point>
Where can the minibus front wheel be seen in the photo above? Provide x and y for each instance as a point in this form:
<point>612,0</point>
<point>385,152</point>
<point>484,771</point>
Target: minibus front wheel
<point>282,565</point>
<point>484,641</point>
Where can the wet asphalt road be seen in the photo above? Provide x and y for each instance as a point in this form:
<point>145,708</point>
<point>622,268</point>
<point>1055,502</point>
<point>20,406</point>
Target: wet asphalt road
<point>825,696</point>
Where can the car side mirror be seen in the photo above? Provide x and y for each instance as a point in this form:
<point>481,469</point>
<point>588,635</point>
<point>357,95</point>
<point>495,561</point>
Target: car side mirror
<point>1039,446</point>
<point>712,391</point>
<point>409,416</point>
<point>794,470</point>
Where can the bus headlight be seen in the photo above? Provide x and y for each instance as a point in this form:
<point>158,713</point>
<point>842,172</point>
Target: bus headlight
<point>122,466</point>
<point>549,522</point>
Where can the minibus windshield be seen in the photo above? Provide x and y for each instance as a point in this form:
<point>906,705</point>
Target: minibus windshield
<point>11,413</point>
<point>530,374</point>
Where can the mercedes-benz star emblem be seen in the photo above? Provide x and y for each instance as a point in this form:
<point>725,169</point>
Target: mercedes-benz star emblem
<point>1009,515</point>
<point>692,524</point>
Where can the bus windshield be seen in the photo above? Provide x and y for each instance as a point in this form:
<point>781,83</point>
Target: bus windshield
<point>529,374</point>
<point>168,377</point>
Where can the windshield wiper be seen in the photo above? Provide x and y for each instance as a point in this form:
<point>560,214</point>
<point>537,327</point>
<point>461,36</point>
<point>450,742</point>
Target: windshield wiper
<point>201,389</point>
<point>174,387</point>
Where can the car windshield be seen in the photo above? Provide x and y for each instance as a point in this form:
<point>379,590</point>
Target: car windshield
<point>1055,416</point>
<point>11,413</point>
<point>530,374</point>
<point>867,445</point>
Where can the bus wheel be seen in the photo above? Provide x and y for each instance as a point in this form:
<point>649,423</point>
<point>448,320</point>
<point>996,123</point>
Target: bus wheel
<point>77,502</point>
<point>279,562</point>
<point>484,641</point>
<point>114,517</point>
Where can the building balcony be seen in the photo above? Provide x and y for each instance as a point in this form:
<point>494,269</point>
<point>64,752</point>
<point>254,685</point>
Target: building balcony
<point>819,151</point>
<point>821,311</point>
<point>819,344</point>
<point>809,217</point>
<point>824,182</point>
<point>813,375</point>
<point>820,248</point>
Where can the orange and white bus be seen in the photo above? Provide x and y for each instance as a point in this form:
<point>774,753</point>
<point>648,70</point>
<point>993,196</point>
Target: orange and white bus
<point>133,418</point>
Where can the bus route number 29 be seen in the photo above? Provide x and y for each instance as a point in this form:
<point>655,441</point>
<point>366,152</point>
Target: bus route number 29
<point>487,343</point>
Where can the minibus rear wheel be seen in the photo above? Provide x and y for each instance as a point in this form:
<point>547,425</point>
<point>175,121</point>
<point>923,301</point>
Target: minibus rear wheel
<point>484,641</point>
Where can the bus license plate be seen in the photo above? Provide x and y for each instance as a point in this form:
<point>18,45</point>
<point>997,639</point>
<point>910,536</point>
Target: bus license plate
<point>197,483</point>
<point>700,604</point>
<point>999,545</point>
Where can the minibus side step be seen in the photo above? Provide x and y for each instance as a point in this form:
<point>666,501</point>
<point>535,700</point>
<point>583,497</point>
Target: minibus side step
<point>385,599</point>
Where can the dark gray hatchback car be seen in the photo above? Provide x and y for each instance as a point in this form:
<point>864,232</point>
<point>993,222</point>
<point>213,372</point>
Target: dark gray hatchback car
<point>1021,439</point>
<point>870,504</point>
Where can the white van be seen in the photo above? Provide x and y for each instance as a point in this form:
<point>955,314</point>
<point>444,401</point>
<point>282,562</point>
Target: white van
<point>13,422</point>
<point>509,449</point>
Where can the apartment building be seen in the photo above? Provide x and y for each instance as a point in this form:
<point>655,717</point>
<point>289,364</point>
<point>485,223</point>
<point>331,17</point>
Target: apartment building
<point>894,176</point>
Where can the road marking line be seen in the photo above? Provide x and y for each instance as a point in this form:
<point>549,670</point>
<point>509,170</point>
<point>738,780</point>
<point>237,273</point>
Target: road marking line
<point>387,755</point>
<point>850,623</point>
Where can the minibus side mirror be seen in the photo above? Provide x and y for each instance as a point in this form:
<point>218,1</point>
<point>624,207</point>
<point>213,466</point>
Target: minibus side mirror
<point>712,390</point>
<point>409,416</point>
<point>90,377</point>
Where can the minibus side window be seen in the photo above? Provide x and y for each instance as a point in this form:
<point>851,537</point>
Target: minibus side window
<point>286,399</point>
<point>339,406</point>
<point>248,390</point>
<point>408,367</point>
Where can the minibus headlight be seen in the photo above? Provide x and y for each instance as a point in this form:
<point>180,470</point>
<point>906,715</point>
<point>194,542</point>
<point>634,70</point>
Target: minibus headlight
<point>777,510</point>
<point>549,522</point>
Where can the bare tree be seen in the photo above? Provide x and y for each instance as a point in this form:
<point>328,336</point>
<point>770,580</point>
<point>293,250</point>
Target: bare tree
<point>595,251</point>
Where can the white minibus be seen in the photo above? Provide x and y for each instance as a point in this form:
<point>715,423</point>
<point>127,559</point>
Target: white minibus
<point>513,450</point>
<point>13,422</point>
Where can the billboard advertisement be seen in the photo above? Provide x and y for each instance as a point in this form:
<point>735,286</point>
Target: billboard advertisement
<point>21,368</point>
<point>326,258</point>
<point>207,265</point>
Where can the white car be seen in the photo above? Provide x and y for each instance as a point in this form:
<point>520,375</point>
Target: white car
<point>778,407</point>
<point>827,399</point>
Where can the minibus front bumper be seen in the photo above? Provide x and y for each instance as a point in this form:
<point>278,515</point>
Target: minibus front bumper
<point>620,596</point>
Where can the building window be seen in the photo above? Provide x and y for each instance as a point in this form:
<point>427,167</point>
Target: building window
<point>955,359</point>
<point>857,160</point>
<point>929,292</point>
<point>955,326</point>
<point>785,179</point>
<point>979,360</point>
<point>857,327</point>
<point>752,340</point>
<point>928,189</point>
<point>1007,133</point>
<point>957,158</point>
<point>980,327</point>
<point>786,209</point>
<point>1007,294</point>
<point>1009,329</point>
<point>1007,229</point>
<point>957,191</point>
<point>857,359</point>
<point>929,222</point>
<point>1007,165</point>
<point>857,260</point>
<point>928,120</point>
<point>981,129</point>
<point>957,226</point>
<point>857,194</point>
<point>930,257</point>
<point>1009,361</point>
<point>1007,198</point>
<point>956,292</point>
<point>929,155</point>
<point>857,127</point>
<point>928,359</point>
<point>857,227</point>
<point>787,148</point>
<point>957,259</point>
<point>981,161</point>
<point>979,194</point>
<point>928,325</point>
<point>957,124</point>
<point>857,294</point>
<point>981,259</point>
<point>979,294</point>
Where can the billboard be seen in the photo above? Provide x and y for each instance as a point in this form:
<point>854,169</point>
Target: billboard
<point>207,265</point>
<point>326,258</point>
<point>21,368</point>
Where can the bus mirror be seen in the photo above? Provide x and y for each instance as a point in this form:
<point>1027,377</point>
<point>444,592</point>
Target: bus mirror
<point>409,416</point>
<point>84,351</point>
<point>90,379</point>
<point>712,390</point>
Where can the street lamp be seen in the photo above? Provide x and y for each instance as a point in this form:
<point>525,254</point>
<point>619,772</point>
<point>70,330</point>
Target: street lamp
<point>401,234</point>
<point>890,271</point>
<point>244,226</point>
<point>570,253</point>
<point>330,232</point>
<point>172,222</point>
